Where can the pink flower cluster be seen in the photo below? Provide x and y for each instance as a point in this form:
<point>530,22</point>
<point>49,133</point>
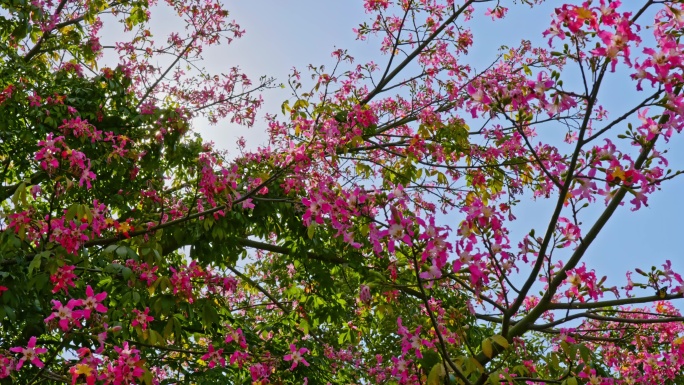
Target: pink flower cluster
<point>125,369</point>
<point>67,316</point>
<point>54,153</point>
<point>188,279</point>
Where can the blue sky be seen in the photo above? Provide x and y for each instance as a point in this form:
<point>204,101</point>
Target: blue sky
<point>285,34</point>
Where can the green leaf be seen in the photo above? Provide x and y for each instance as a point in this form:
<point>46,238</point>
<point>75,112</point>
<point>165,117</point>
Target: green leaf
<point>508,377</point>
<point>341,117</point>
<point>527,70</point>
<point>164,283</point>
<point>475,365</point>
<point>35,264</point>
<point>147,377</point>
<point>570,350</point>
<point>111,249</point>
<point>168,329</point>
<point>209,315</point>
<point>494,378</point>
<point>126,273</point>
<point>430,359</point>
<point>157,305</point>
<point>122,251</point>
<point>20,31</point>
<point>304,325</point>
<point>343,337</point>
<point>19,194</point>
<point>10,313</point>
<point>155,337</point>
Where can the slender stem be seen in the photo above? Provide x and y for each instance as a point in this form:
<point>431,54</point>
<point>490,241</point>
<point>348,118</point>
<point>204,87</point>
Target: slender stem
<point>421,47</point>
<point>30,54</point>
<point>107,241</point>
<point>615,302</point>
<point>435,324</point>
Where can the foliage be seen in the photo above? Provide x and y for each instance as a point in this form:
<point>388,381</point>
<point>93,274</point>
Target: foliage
<point>371,241</point>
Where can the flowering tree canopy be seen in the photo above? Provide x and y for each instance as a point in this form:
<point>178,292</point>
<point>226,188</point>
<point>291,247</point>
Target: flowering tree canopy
<point>372,240</point>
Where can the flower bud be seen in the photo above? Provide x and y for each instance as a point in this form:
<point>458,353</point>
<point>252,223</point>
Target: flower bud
<point>365,294</point>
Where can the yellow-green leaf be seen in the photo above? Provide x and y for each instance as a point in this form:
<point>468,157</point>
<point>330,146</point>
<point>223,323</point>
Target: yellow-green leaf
<point>493,379</point>
<point>475,363</point>
<point>304,326</point>
<point>487,348</point>
<point>19,194</point>
<point>501,340</point>
<point>436,375</point>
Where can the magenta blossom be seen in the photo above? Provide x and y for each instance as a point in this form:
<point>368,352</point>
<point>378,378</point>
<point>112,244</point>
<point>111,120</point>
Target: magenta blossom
<point>6,365</point>
<point>235,335</point>
<point>365,294</point>
<point>142,318</point>
<point>296,356</point>
<point>66,314</point>
<point>30,353</point>
<point>214,357</point>
<point>63,278</point>
<point>93,302</point>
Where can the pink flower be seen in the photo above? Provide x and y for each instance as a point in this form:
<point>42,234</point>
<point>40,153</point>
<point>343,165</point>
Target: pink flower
<point>142,318</point>
<point>235,335</point>
<point>87,367</point>
<point>296,356</point>
<point>365,294</point>
<point>101,337</point>
<point>63,278</point>
<point>93,302</point>
<point>239,358</point>
<point>30,353</point>
<point>65,313</point>
<point>400,369</point>
<point>496,13</point>
<point>127,367</point>
<point>214,357</point>
<point>6,365</point>
<point>247,204</point>
<point>259,371</point>
<point>375,5</point>
<point>6,94</point>
<point>432,273</point>
<point>479,98</point>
